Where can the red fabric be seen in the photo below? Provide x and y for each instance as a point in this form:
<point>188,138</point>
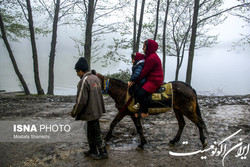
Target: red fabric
<point>152,69</point>
<point>139,56</point>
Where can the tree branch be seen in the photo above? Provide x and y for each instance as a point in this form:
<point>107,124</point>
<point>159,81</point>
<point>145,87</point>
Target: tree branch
<point>226,10</point>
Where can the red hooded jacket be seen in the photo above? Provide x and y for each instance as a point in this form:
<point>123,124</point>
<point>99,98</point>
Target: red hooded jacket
<point>152,69</point>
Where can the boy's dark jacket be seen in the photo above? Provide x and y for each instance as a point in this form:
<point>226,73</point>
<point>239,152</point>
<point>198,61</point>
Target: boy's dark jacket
<point>89,102</point>
<point>137,68</point>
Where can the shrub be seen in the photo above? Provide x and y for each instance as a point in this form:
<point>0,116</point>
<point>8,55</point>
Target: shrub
<point>123,75</point>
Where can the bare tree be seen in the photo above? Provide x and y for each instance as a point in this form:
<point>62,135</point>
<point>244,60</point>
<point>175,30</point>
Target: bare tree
<point>34,49</point>
<point>53,49</point>
<point>179,30</point>
<point>203,18</point>
<point>192,43</point>
<point>95,27</point>
<point>6,42</point>
<point>57,10</point>
<point>140,27</point>
<point>135,23</point>
<point>164,36</point>
<point>88,31</point>
<point>157,19</point>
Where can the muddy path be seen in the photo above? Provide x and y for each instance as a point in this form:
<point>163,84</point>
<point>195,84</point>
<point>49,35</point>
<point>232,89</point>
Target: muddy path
<point>223,116</point>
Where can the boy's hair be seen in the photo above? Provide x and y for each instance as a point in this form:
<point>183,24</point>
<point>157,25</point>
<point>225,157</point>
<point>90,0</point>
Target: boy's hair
<point>133,55</point>
<point>82,65</point>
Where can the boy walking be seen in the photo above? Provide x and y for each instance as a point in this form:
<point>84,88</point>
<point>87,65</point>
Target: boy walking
<point>90,107</point>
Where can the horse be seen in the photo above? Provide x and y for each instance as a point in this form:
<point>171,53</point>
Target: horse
<point>185,103</point>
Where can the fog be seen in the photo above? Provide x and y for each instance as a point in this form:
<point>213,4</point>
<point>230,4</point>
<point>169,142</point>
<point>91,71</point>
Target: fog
<point>218,70</point>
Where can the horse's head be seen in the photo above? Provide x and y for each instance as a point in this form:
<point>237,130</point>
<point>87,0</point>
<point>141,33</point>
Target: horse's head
<point>101,77</point>
<point>115,82</point>
<point>114,87</point>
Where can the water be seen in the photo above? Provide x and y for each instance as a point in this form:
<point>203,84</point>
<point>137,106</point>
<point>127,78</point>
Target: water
<point>216,70</point>
<point>208,77</point>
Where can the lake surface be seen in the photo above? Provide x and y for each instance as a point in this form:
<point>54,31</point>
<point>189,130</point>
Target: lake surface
<point>217,70</point>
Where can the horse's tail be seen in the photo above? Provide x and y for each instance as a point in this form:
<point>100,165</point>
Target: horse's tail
<point>198,112</point>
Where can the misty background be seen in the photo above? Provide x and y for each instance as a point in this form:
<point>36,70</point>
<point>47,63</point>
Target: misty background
<point>217,70</point>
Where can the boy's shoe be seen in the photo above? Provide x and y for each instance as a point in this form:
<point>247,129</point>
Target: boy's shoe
<point>92,150</point>
<point>136,106</point>
<point>103,154</point>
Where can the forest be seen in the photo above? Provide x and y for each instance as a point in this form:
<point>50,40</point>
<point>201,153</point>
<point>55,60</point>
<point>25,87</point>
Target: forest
<point>179,26</point>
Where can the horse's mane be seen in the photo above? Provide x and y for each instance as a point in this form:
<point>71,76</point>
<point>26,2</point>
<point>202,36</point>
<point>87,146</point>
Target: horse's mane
<point>119,82</point>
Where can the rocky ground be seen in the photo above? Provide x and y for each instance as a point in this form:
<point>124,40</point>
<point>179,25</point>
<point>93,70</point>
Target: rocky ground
<point>223,116</point>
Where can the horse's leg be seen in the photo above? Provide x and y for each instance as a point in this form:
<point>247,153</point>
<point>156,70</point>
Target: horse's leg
<point>202,137</point>
<point>117,119</point>
<point>198,122</point>
<point>181,123</point>
<point>139,129</point>
<point>201,125</point>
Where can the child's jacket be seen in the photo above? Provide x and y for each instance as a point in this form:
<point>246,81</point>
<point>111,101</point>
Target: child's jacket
<point>137,68</point>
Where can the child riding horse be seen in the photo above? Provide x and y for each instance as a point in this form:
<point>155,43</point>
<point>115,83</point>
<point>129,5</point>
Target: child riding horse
<point>185,103</point>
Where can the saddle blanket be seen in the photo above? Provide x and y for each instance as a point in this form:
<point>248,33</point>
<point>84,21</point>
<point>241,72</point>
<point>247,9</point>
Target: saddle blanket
<point>159,102</point>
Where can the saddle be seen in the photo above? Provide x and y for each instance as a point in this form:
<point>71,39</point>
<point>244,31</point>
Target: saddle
<point>159,102</point>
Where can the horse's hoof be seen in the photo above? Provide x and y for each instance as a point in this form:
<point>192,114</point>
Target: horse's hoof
<point>143,142</point>
<point>140,148</point>
<point>171,143</point>
<point>107,138</point>
<point>204,145</point>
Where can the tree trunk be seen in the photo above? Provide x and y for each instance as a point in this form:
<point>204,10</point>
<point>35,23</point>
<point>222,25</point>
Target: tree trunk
<point>164,38</point>
<point>135,22</point>
<point>53,50</point>
<point>88,32</point>
<point>157,19</point>
<point>18,73</point>
<point>192,42</point>
<point>140,26</point>
<point>181,60</point>
<point>177,65</point>
<point>34,50</point>
<point>180,50</point>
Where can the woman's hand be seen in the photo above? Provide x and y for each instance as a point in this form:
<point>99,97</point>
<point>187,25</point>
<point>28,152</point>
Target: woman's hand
<point>130,83</point>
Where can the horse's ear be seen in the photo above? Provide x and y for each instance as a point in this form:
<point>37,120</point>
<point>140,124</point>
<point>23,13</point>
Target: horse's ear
<point>93,72</point>
<point>100,76</point>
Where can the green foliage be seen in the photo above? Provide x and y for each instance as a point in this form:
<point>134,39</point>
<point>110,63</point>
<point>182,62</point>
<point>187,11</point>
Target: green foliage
<point>113,54</point>
<point>123,75</point>
<point>106,26</point>
<point>16,23</point>
<point>13,27</point>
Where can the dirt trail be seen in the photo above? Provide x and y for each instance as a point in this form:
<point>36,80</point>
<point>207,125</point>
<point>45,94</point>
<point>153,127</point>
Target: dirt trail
<point>222,115</point>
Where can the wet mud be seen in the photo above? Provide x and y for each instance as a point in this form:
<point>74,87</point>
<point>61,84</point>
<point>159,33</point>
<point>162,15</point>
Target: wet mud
<point>223,117</point>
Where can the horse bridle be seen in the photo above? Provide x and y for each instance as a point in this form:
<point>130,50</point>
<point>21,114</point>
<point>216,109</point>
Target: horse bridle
<point>106,88</point>
<point>105,85</point>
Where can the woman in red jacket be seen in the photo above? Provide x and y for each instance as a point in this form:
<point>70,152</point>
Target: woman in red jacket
<point>153,72</point>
